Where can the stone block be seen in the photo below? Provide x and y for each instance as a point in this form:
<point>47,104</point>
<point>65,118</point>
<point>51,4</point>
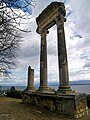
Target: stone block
<point>81,110</point>
<point>83,113</point>
<point>79,115</point>
<point>76,116</point>
<point>87,112</point>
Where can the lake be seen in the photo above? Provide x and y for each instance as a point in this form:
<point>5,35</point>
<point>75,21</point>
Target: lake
<point>77,88</point>
<point>81,88</point>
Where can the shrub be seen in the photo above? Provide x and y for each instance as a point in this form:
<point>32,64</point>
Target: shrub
<point>14,93</point>
<point>88,101</point>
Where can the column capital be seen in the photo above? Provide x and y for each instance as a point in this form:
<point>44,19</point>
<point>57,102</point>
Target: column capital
<point>60,19</point>
<point>44,32</point>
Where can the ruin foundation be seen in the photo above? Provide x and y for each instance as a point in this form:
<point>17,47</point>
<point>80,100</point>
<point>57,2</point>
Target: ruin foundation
<point>73,105</point>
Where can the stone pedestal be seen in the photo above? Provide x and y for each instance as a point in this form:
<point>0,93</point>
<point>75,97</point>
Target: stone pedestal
<point>72,105</point>
<point>30,85</point>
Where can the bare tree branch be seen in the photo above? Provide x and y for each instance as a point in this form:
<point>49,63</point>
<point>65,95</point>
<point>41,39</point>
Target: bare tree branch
<point>10,39</point>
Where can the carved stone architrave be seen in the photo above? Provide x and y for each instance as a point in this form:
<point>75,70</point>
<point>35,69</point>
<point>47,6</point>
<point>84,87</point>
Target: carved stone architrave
<point>47,18</point>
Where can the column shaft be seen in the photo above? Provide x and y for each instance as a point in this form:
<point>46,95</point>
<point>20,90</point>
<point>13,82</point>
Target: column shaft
<point>43,63</point>
<point>30,79</point>
<point>62,58</point>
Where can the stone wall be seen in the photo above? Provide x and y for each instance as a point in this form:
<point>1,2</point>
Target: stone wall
<point>71,105</point>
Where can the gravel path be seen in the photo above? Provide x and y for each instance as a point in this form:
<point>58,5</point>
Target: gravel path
<point>13,109</point>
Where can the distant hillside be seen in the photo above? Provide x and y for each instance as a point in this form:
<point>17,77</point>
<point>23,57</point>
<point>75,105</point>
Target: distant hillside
<point>80,82</point>
<point>55,83</point>
<point>77,82</point>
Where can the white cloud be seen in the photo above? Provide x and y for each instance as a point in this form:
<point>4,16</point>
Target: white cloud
<point>77,37</point>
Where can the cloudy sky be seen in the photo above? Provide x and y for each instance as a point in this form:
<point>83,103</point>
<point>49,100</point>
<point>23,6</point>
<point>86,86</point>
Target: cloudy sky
<point>77,36</point>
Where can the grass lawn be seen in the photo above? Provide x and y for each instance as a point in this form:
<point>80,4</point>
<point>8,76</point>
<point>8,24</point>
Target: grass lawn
<point>8,99</point>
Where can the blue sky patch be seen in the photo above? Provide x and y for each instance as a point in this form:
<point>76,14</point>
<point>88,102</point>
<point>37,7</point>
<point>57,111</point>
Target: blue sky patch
<point>65,1</point>
<point>83,56</point>
<point>24,5</point>
<point>69,13</point>
<point>79,36</point>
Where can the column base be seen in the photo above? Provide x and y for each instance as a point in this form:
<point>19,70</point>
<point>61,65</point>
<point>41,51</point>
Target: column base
<point>44,89</point>
<point>30,89</point>
<point>64,89</point>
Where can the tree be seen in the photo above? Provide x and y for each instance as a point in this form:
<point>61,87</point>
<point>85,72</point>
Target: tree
<point>10,21</point>
<point>9,43</point>
<point>0,88</point>
<point>12,88</point>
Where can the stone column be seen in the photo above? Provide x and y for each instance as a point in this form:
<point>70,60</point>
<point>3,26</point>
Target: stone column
<point>43,63</point>
<point>62,56</point>
<point>30,86</point>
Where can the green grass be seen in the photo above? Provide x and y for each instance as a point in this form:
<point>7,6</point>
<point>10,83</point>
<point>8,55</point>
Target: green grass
<point>9,99</point>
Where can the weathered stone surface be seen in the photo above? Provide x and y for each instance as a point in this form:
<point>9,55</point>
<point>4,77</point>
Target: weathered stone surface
<point>67,104</point>
<point>43,63</point>
<point>44,21</point>
<point>47,18</point>
<point>30,84</point>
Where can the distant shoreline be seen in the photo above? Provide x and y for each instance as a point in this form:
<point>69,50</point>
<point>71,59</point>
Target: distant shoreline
<point>38,85</point>
<point>81,84</point>
<point>73,84</point>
